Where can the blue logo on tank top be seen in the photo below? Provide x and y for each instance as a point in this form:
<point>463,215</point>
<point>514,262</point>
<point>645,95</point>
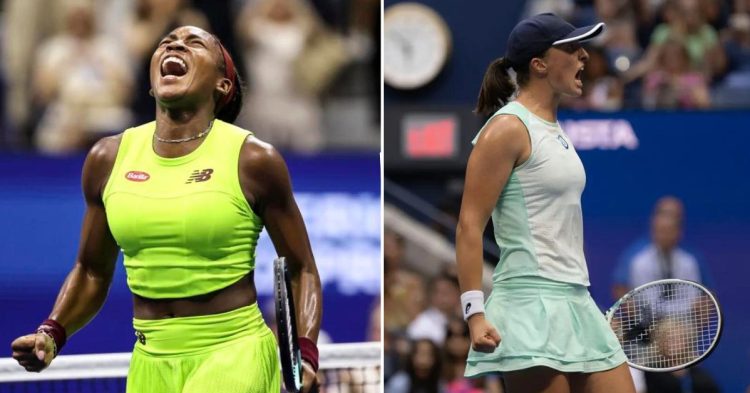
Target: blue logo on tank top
<point>563,141</point>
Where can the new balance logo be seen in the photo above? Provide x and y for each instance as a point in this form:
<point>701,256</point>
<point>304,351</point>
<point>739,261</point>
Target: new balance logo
<point>141,337</point>
<point>199,175</point>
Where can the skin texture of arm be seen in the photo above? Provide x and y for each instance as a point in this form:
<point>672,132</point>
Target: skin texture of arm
<point>265,182</point>
<point>266,185</point>
<point>504,144</point>
<point>86,286</point>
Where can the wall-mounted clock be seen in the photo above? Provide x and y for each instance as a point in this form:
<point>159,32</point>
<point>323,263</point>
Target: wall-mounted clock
<point>417,43</point>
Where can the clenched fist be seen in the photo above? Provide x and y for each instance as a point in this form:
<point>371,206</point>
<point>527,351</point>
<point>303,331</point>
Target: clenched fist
<point>34,352</point>
<point>484,336</point>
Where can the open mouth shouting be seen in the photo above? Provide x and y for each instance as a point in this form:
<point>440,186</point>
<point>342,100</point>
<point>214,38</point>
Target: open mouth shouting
<point>579,76</point>
<point>173,67</point>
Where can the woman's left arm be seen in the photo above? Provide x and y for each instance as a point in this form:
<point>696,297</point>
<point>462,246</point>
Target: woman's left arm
<point>265,182</point>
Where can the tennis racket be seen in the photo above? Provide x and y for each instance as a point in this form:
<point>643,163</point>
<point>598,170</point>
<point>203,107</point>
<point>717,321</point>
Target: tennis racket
<point>666,325</point>
<point>286,321</point>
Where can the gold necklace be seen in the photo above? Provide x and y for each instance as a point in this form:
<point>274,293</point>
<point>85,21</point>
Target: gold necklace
<point>190,138</point>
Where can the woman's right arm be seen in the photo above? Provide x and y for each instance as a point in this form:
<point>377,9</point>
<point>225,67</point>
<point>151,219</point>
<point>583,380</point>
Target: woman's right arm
<point>503,144</point>
<point>86,286</point>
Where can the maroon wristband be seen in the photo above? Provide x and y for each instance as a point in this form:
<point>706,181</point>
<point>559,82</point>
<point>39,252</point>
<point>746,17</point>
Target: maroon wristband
<point>56,331</point>
<point>309,352</point>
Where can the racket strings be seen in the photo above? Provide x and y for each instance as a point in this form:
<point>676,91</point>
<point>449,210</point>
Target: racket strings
<point>669,325</point>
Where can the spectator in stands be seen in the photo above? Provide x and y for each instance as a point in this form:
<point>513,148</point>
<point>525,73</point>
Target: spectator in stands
<point>620,40</point>
<point>667,205</point>
<point>275,34</point>
<point>737,48</point>
<point>25,25</point>
<point>715,12</point>
<point>422,373</point>
<point>82,82</point>
<point>647,17</point>
<point>673,83</point>
<point>404,292</point>
<point>662,257</point>
<point>403,297</point>
<point>701,39</point>
<point>456,348</point>
<point>655,259</point>
<point>444,305</point>
<point>684,22</point>
<point>396,349</point>
<point>670,206</point>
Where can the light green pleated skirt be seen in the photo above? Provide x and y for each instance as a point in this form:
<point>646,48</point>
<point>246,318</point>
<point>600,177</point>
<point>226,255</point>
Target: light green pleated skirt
<point>546,323</point>
<point>231,352</point>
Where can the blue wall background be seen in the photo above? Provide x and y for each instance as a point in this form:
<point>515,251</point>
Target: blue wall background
<point>41,208</point>
<point>701,158</point>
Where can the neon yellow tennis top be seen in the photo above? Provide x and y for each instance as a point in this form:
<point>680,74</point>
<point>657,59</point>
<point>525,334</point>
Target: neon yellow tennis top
<point>183,224</point>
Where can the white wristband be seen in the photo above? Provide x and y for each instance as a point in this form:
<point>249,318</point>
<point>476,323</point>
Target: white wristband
<point>472,302</point>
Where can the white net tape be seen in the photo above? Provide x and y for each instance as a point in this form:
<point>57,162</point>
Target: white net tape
<point>343,367</point>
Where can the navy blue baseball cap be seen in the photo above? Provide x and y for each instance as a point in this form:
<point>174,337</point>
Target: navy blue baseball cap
<point>532,36</point>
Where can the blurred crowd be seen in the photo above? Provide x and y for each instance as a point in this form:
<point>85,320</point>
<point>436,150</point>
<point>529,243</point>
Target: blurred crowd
<point>426,340</point>
<point>76,70</point>
<point>662,54</point>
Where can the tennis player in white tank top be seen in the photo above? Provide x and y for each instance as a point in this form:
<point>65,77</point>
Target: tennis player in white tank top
<point>539,327</point>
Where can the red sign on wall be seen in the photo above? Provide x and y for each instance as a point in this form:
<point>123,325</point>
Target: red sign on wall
<point>429,136</point>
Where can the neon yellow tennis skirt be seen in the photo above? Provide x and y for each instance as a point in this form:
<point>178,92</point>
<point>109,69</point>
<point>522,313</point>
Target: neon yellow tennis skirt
<point>546,323</point>
<point>231,352</point>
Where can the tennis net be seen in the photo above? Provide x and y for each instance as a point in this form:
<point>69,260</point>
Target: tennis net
<point>344,368</point>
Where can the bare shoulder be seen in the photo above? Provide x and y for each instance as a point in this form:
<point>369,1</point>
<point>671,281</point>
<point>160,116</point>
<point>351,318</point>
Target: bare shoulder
<point>264,177</point>
<point>259,157</point>
<point>504,128</point>
<point>504,138</point>
<point>104,151</point>
<point>98,165</point>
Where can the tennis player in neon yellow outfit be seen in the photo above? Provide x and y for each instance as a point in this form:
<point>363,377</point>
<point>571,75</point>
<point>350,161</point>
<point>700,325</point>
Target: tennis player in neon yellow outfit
<point>185,198</point>
<point>539,327</point>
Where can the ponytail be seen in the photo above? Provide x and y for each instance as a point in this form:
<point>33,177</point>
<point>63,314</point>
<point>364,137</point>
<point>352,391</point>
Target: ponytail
<point>497,88</point>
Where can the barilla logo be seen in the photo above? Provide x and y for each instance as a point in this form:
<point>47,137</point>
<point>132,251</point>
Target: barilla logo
<point>137,176</point>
